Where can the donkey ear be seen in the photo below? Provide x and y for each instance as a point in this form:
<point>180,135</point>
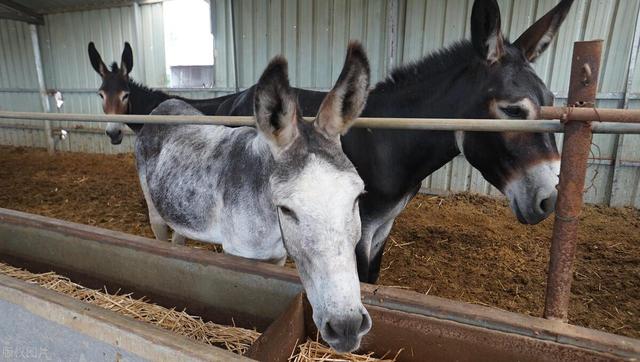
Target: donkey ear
<point>347,99</point>
<point>535,40</point>
<point>126,61</point>
<point>486,35</point>
<point>275,106</point>
<point>96,60</point>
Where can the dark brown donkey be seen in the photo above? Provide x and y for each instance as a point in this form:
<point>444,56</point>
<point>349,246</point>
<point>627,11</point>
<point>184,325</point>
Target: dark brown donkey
<point>121,95</point>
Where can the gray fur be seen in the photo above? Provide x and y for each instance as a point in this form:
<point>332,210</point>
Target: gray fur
<point>193,171</point>
<point>219,184</point>
<point>283,187</point>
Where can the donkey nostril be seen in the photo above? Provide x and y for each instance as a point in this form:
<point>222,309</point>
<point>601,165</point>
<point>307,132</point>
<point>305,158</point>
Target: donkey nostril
<point>366,323</point>
<point>330,332</point>
<point>548,205</point>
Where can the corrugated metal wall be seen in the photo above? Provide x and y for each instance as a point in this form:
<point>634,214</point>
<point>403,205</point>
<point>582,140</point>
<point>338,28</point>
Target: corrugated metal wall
<point>63,43</point>
<point>65,37</point>
<point>18,84</point>
<point>446,21</point>
<point>313,35</point>
<point>626,179</point>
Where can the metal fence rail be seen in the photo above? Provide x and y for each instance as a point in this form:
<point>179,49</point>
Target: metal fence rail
<point>611,121</point>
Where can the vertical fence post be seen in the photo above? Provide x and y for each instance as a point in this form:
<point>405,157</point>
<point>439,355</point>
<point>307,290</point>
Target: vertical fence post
<point>583,86</point>
<point>138,48</point>
<point>392,34</point>
<point>44,98</point>
<point>236,72</point>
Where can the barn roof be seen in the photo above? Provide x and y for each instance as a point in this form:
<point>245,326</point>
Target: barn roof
<point>32,11</point>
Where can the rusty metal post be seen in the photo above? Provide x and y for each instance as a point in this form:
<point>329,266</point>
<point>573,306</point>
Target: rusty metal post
<point>575,153</point>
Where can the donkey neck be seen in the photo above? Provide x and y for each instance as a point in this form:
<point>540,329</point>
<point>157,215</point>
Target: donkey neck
<point>447,84</point>
<point>143,100</point>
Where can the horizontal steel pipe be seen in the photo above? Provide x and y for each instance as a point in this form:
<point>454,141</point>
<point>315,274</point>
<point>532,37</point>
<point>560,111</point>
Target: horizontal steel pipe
<point>614,128</point>
<point>438,124</point>
<point>591,114</point>
<point>132,118</point>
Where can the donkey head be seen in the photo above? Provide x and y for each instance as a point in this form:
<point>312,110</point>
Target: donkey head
<point>524,166</point>
<point>315,189</point>
<point>114,90</point>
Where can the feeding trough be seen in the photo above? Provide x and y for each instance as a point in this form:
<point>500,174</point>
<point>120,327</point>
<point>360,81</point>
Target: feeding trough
<point>230,290</point>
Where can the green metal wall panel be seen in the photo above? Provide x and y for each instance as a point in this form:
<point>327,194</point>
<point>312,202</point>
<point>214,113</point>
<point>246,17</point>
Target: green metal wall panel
<point>312,35</point>
<point>16,56</point>
<point>432,24</point>
<point>18,84</point>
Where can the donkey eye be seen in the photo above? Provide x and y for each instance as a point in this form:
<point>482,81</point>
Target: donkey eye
<point>125,96</point>
<point>514,112</point>
<point>288,212</point>
<point>101,95</point>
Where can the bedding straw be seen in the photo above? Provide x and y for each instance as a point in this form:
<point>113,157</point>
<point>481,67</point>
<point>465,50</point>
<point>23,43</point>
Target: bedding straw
<point>232,338</point>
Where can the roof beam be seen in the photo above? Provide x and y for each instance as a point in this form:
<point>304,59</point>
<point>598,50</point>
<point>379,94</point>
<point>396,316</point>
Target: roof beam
<point>22,12</point>
<point>5,14</point>
<point>91,5</point>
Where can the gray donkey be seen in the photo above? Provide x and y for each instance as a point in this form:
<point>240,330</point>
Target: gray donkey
<point>283,187</point>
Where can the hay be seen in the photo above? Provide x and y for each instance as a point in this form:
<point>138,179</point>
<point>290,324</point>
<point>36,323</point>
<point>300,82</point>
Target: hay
<point>314,351</point>
<point>234,339</point>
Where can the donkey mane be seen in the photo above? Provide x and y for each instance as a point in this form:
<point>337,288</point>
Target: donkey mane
<point>460,53</point>
<point>150,92</point>
<point>443,63</point>
<point>151,98</point>
<point>143,88</point>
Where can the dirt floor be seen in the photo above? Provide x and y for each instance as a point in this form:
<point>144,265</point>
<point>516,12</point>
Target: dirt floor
<point>464,247</point>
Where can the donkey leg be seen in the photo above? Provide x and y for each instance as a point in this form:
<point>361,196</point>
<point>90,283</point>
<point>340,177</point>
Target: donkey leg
<point>178,239</point>
<point>363,250</point>
<point>280,261</point>
<point>377,249</point>
<point>158,225</point>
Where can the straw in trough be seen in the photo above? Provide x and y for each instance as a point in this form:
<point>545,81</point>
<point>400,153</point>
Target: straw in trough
<point>234,339</point>
<point>314,351</point>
